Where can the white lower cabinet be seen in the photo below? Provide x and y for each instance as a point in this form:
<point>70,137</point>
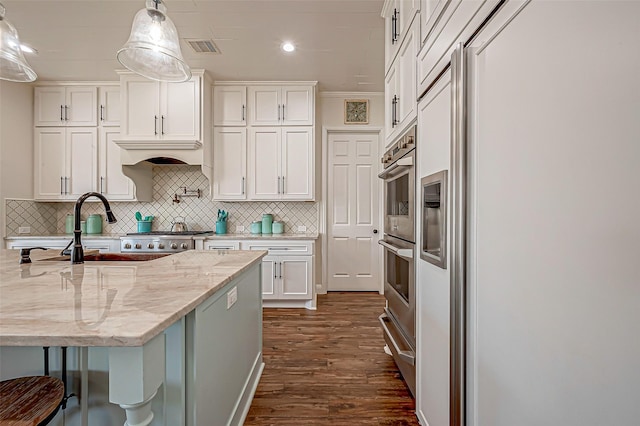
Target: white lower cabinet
<point>104,245</point>
<point>221,245</point>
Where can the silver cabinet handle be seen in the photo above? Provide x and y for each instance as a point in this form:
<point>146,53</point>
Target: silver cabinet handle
<point>66,185</point>
<point>155,125</point>
<point>101,185</point>
<point>282,112</point>
<point>66,113</point>
<point>61,184</point>
<point>61,112</point>
<point>278,112</point>
<point>280,268</point>
<point>242,185</point>
<point>243,113</point>
<point>407,253</point>
<point>101,112</point>
<point>407,356</point>
<point>278,184</point>
<point>162,124</point>
<point>282,185</point>
<point>275,270</point>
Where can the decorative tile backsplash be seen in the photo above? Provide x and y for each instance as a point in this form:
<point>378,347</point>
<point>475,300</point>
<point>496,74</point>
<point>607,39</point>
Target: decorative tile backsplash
<point>199,213</point>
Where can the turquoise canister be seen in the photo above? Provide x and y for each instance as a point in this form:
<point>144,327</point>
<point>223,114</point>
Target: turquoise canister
<point>69,224</point>
<point>267,221</point>
<point>277,227</point>
<point>94,224</point>
<point>221,227</point>
<point>256,227</point>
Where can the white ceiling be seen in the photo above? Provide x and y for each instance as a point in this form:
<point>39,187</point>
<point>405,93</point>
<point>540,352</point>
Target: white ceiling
<point>339,42</point>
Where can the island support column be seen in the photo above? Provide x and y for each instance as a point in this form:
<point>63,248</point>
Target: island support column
<point>135,375</point>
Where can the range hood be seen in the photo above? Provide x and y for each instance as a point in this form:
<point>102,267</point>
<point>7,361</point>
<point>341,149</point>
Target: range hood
<point>139,156</point>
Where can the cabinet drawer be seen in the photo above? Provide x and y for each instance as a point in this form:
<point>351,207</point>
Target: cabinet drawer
<point>290,248</point>
<point>222,245</point>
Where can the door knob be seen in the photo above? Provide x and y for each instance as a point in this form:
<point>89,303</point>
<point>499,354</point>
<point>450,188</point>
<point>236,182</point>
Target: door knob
<point>375,231</point>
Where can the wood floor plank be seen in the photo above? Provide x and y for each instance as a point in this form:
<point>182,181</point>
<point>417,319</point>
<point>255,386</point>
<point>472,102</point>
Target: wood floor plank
<point>328,367</point>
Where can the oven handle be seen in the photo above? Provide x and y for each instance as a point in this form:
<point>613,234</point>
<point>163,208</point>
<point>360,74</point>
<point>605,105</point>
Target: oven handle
<point>407,253</point>
<point>405,162</point>
<point>407,356</point>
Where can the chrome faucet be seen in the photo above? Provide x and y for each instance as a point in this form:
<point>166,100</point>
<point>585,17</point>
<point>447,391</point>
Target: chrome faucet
<point>77,253</point>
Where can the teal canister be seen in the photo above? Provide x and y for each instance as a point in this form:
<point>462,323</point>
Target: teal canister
<point>256,227</point>
<point>277,227</point>
<point>69,224</point>
<point>267,221</point>
<point>94,224</point>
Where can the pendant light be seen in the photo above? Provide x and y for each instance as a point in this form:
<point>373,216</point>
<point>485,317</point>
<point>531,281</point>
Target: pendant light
<point>153,48</point>
<point>13,66</point>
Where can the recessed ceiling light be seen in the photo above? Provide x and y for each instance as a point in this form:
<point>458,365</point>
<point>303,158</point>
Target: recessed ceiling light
<point>288,47</point>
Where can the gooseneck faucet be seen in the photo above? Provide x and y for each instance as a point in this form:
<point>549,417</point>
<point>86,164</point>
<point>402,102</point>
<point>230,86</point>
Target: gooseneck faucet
<point>77,253</point>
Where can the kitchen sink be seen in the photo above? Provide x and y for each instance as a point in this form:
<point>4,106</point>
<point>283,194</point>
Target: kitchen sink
<point>113,257</point>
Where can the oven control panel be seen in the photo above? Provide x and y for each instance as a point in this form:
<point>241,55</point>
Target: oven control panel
<point>155,244</point>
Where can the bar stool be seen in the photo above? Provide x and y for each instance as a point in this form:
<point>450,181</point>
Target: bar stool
<point>30,401</point>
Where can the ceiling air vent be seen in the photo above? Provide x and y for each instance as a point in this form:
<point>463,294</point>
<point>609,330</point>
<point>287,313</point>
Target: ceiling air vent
<point>203,46</point>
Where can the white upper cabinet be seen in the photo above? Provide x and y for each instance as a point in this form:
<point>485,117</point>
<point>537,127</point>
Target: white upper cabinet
<point>398,16</point>
<point>281,163</point>
<point>230,105</point>
<point>400,87</point>
<point>112,182</point>
<point>66,163</point>
<point>65,106</point>
<point>229,163</point>
<point>281,105</point>
<point>109,105</point>
<point>160,110</point>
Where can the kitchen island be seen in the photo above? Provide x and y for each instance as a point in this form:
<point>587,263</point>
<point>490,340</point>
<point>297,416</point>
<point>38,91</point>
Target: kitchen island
<point>193,318</point>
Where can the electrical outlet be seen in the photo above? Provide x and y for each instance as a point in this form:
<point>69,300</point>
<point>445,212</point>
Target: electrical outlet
<point>24,230</point>
<point>302,228</point>
<point>232,297</point>
<point>239,228</point>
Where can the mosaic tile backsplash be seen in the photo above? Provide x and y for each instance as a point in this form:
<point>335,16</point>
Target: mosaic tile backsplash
<point>199,213</point>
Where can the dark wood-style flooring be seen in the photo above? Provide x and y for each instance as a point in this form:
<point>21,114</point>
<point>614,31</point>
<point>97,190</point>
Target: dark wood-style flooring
<point>328,367</point>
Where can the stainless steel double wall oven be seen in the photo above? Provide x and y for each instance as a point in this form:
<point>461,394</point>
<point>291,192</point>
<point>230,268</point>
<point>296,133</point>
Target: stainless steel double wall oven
<point>398,320</point>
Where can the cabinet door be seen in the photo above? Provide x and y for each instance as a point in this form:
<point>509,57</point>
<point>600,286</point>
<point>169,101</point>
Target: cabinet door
<point>48,106</point>
<point>295,275</point>
<point>82,161</point>
<point>297,163</point>
<point>264,163</point>
<point>269,290</point>
<point>180,110</point>
<point>390,105</point>
<point>112,183</point>
<point>141,100</point>
<point>264,105</point>
<point>109,108</point>
<point>230,105</point>
<point>229,163</point>
<point>406,108</point>
<point>49,165</point>
<point>81,106</point>
<point>297,105</point>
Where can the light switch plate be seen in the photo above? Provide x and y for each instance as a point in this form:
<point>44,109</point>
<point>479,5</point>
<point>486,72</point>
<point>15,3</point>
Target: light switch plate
<point>232,297</point>
<point>302,228</point>
<point>239,228</point>
<point>24,230</point>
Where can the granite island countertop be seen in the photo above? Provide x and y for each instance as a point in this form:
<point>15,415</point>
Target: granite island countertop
<point>49,303</point>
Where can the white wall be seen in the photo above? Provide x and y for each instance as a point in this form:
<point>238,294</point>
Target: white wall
<point>16,143</point>
<point>330,113</point>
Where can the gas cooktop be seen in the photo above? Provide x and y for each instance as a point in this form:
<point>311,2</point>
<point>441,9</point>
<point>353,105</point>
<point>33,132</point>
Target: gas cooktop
<point>170,233</point>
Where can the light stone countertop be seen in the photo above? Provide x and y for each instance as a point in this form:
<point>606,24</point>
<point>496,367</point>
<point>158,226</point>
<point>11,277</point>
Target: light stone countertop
<point>49,303</point>
<point>242,236</point>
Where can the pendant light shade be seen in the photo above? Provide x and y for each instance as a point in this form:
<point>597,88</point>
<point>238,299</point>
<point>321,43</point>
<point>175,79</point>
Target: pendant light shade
<point>13,66</point>
<point>153,48</point>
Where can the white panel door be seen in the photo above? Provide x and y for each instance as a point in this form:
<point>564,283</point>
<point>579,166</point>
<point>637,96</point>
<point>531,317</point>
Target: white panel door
<point>553,216</point>
<point>82,160</point>
<point>48,106</point>
<point>432,282</point>
<point>264,105</point>
<point>230,105</point>
<point>297,163</point>
<point>264,163</point>
<point>109,108</point>
<point>112,182</point>
<point>180,110</point>
<point>49,153</point>
<point>229,163</point>
<point>298,105</point>
<point>353,212</point>
<point>142,103</point>
<point>82,106</point>
<point>294,273</point>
